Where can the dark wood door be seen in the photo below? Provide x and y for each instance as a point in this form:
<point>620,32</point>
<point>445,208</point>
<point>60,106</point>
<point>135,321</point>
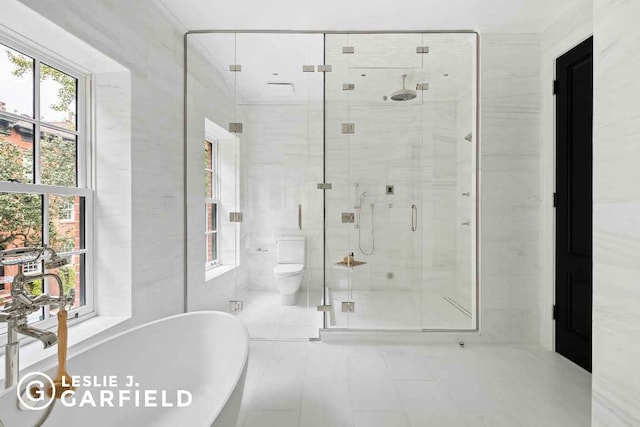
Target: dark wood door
<point>574,201</point>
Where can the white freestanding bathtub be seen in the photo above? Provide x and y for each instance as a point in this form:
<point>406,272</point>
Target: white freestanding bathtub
<point>203,354</point>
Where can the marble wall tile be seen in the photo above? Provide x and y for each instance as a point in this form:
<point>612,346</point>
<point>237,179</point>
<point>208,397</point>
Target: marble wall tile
<point>616,228</point>
<point>510,196</point>
<point>140,38</point>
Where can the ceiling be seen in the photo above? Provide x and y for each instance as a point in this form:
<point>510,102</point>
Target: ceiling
<point>356,14</point>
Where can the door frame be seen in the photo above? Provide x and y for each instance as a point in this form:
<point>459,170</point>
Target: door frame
<point>548,181</point>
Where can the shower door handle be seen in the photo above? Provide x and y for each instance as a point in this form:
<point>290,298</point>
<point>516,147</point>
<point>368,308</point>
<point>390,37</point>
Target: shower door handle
<point>414,217</point>
<point>299,217</point>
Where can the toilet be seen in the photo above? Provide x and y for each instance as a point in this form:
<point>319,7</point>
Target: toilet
<point>290,268</point>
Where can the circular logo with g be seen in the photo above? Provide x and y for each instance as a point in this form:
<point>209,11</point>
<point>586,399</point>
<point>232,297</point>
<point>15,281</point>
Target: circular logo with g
<point>32,391</point>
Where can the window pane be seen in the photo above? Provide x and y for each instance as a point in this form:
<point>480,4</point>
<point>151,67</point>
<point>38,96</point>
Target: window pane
<point>212,249</point>
<point>20,225</point>
<point>212,217</point>
<point>16,82</point>
<point>208,175</point>
<point>16,150</point>
<point>66,223</point>
<point>58,157</point>
<point>58,94</point>
<point>72,276</point>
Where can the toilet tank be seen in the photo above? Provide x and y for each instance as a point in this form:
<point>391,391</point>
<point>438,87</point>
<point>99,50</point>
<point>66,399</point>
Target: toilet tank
<point>291,249</point>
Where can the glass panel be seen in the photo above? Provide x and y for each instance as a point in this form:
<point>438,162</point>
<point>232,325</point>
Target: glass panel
<point>66,223</point>
<point>72,277</point>
<point>58,95</point>
<point>20,225</point>
<point>58,158</point>
<point>16,150</point>
<point>212,247</point>
<point>280,107</point>
<point>375,177</point>
<point>208,171</point>
<point>448,188</point>
<point>16,82</point>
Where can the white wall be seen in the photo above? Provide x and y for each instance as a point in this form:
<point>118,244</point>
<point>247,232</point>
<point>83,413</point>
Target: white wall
<point>146,43</point>
<point>569,23</point>
<point>616,215</point>
<point>509,187</point>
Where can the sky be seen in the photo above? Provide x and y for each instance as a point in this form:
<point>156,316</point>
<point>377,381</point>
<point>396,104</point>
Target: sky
<point>17,93</point>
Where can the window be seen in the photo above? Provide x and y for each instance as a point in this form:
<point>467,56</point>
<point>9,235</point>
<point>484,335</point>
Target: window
<point>67,210</point>
<point>44,193</point>
<point>31,267</point>
<point>212,201</point>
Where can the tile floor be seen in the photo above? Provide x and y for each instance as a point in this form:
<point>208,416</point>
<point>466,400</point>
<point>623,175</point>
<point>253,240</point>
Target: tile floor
<point>314,384</point>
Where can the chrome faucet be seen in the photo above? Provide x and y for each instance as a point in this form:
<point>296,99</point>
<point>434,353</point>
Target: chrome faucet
<point>22,304</point>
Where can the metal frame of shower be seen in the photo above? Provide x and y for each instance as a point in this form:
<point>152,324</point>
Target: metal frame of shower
<point>324,159</point>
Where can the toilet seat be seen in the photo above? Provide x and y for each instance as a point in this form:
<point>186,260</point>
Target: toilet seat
<point>287,269</point>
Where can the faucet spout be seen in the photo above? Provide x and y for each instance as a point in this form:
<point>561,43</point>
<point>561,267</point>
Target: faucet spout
<point>47,338</point>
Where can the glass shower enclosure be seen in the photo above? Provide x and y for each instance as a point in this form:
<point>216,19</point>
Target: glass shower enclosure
<point>364,144</point>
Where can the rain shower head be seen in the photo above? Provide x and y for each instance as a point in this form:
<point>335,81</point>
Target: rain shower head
<point>403,94</point>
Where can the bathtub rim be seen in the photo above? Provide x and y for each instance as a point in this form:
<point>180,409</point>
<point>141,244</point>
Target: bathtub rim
<point>228,394</point>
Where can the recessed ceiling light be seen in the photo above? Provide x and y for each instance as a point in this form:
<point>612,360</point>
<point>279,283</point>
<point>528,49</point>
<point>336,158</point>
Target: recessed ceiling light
<point>275,74</point>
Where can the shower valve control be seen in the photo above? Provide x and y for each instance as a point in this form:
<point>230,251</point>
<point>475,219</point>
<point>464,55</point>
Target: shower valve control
<point>348,217</point>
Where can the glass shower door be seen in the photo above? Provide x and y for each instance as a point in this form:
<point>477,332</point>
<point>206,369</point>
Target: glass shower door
<point>372,150</point>
<point>281,149</point>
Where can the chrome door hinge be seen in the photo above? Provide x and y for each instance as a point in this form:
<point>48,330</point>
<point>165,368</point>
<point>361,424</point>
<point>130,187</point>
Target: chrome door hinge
<point>235,68</point>
<point>324,186</point>
<point>235,216</point>
<point>348,49</point>
<point>348,128</point>
<point>324,68</point>
<point>308,68</point>
<point>235,127</point>
<point>348,306</point>
<point>324,308</point>
<point>235,306</point>
<point>422,49</point>
<point>422,86</point>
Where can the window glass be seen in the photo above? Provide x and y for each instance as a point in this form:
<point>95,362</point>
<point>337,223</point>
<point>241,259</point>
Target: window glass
<point>58,95</point>
<point>58,158</point>
<point>66,223</point>
<point>16,82</point>
<point>16,150</point>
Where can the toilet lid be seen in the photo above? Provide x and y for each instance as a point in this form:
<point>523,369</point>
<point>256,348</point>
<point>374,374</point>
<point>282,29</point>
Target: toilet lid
<point>287,269</point>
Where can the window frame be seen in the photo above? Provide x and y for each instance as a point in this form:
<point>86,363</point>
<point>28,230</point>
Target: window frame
<point>215,201</point>
<point>85,115</point>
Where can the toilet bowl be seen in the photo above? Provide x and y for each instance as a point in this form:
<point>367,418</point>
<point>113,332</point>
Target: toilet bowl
<point>290,268</point>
